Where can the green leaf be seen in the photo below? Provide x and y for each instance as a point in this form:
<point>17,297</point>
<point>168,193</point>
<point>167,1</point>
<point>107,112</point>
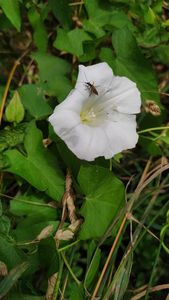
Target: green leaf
<point>106,54</point>
<point>102,16</point>
<point>11,279</point>
<point>89,52</point>
<point>166,23</point>
<point>77,292</point>
<point>106,15</point>
<point>34,101</point>
<point>92,27</point>
<point>104,198</point>
<point>9,253</point>
<point>11,137</point>
<point>59,86</point>
<point>161,54</point>
<point>93,268</point>
<point>158,6</point>
<point>70,160</point>
<point>62,11</point>
<point>119,19</point>
<point>40,35</point>
<point>4,225</point>
<point>3,162</point>
<point>37,215</point>
<point>150,147</point>
<point>165,137</point>
<point>131,63</point>
<point>27,205</point>
<point>71,41</point>
<point>15,110</point>
<point>12,11</point>
<point>53,74</point>
<point>29,229</point>
<point>39,167</point>
<point>149,38</point>
<point>149,16</point>
<point>49,262</point>
<point>50,66</point>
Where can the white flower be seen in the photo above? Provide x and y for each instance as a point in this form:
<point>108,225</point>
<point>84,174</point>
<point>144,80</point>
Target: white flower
<point>98,117</point>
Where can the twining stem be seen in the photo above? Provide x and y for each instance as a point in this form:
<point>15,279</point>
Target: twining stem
<point>153,129</point>
<point>111,165</point>
<point>109,256</point>
<point>162,93</point>
<point>69,268</point>
<point>68,246</point>
<point>58,280</point>
<point>7,88</point>
<point>67,275</point>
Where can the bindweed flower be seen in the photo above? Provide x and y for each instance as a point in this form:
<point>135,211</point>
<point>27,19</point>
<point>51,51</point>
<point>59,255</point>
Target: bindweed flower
<point>98,117</point>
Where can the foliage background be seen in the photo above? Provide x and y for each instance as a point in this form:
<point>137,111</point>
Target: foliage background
<point>42,43</point>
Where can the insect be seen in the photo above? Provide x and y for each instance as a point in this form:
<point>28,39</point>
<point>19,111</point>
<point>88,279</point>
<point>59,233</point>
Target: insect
<point>92,89</point>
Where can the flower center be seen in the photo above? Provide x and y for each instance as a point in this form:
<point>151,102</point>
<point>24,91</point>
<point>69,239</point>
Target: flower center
<point>93,115</point>
<point>88,116</point>
<point>95,111</point>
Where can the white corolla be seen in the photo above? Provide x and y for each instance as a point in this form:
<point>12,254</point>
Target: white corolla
<point>98,117</point>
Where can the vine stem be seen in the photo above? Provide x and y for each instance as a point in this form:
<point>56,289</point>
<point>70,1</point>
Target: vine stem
<point>153,129</point>
<point>58,280</point>
<point>69,268</point>
<point>111,165</point>
<point>68,246</point>
<point>7,88</point>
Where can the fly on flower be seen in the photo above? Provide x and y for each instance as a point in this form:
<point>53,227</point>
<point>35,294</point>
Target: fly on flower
<point>92,89</point>
<point>98,126</point>
<point>90,86</point>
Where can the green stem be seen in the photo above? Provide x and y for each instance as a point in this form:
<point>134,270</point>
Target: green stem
<point>69,268</point>
<point>58,280</point>
<point>111,165</point>
<point>154,128</point>
<point>68,246</point>
<point>162,235</point>
<point>66,273</point>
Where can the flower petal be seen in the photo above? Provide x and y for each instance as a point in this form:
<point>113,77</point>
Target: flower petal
<point>100,75</point>
<point>64,121</point>
<point>121,134</point>
<point>74,101</point>
<point>90,142</point>
<point>84,141</point>
<point>124,95</point>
